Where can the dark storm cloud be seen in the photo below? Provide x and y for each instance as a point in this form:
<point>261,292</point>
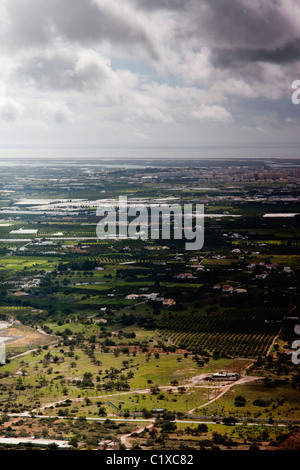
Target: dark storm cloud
<point>33,23</point>
<point>247,24</point>
<point>112,63</point>
<point>227,58</point>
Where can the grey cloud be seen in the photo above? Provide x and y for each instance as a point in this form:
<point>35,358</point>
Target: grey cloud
<point>60,71</point>
<point>56,72</point>
<point>162,4</point>
<point>10,110</point>
<point>50,73</point>
<point>57,111</point>
<point>243,37</point>
<point>39,22</point>
<point>54,49</point>
<point>245,24</point>
<point>227,58</point>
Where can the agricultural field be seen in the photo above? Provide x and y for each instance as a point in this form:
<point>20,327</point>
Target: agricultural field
<point>238,332</point>
<point>264,400</point>
<point>115,343</point>
<point>214,437</point>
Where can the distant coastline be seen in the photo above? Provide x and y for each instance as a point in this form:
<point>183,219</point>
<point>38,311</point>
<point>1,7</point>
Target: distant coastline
<point>109,154</point>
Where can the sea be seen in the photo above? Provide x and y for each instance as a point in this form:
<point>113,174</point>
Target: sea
<point>278,155</point>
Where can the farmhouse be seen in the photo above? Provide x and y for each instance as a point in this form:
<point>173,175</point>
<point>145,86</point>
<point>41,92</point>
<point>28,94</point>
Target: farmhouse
<point>271,266</point>
<point>158,411</point>
<point>225,376</point>
<point>252,265</point>
<point>20,294</point>
<point>227,288</point>
<point>185,276</point>
<point>132,296</point>
<point>152,296</point>
<point>107,445</point>
<point>100,320</point>
<point>169,302</point>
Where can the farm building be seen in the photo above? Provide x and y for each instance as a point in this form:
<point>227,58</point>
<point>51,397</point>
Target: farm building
<point>227,288</point>
<point>100,320</point>
<point>169,302</point>
<point>132,296</point>
<point>158,411</point>
<point>225,376</point>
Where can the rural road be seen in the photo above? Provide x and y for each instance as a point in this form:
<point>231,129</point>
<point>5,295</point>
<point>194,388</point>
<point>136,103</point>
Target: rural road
<point>193,383</point>
<point>242,380</point>
<point>124,438</point>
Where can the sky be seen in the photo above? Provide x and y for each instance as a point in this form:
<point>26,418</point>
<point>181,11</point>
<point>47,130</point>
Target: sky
<point>149,72</point>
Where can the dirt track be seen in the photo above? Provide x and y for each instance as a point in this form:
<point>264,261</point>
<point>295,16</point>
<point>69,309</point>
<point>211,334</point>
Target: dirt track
<point>225,388</point>
<point>125,438</point>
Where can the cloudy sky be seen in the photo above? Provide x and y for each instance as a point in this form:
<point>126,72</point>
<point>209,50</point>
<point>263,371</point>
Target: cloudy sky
<point>148,72</point>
